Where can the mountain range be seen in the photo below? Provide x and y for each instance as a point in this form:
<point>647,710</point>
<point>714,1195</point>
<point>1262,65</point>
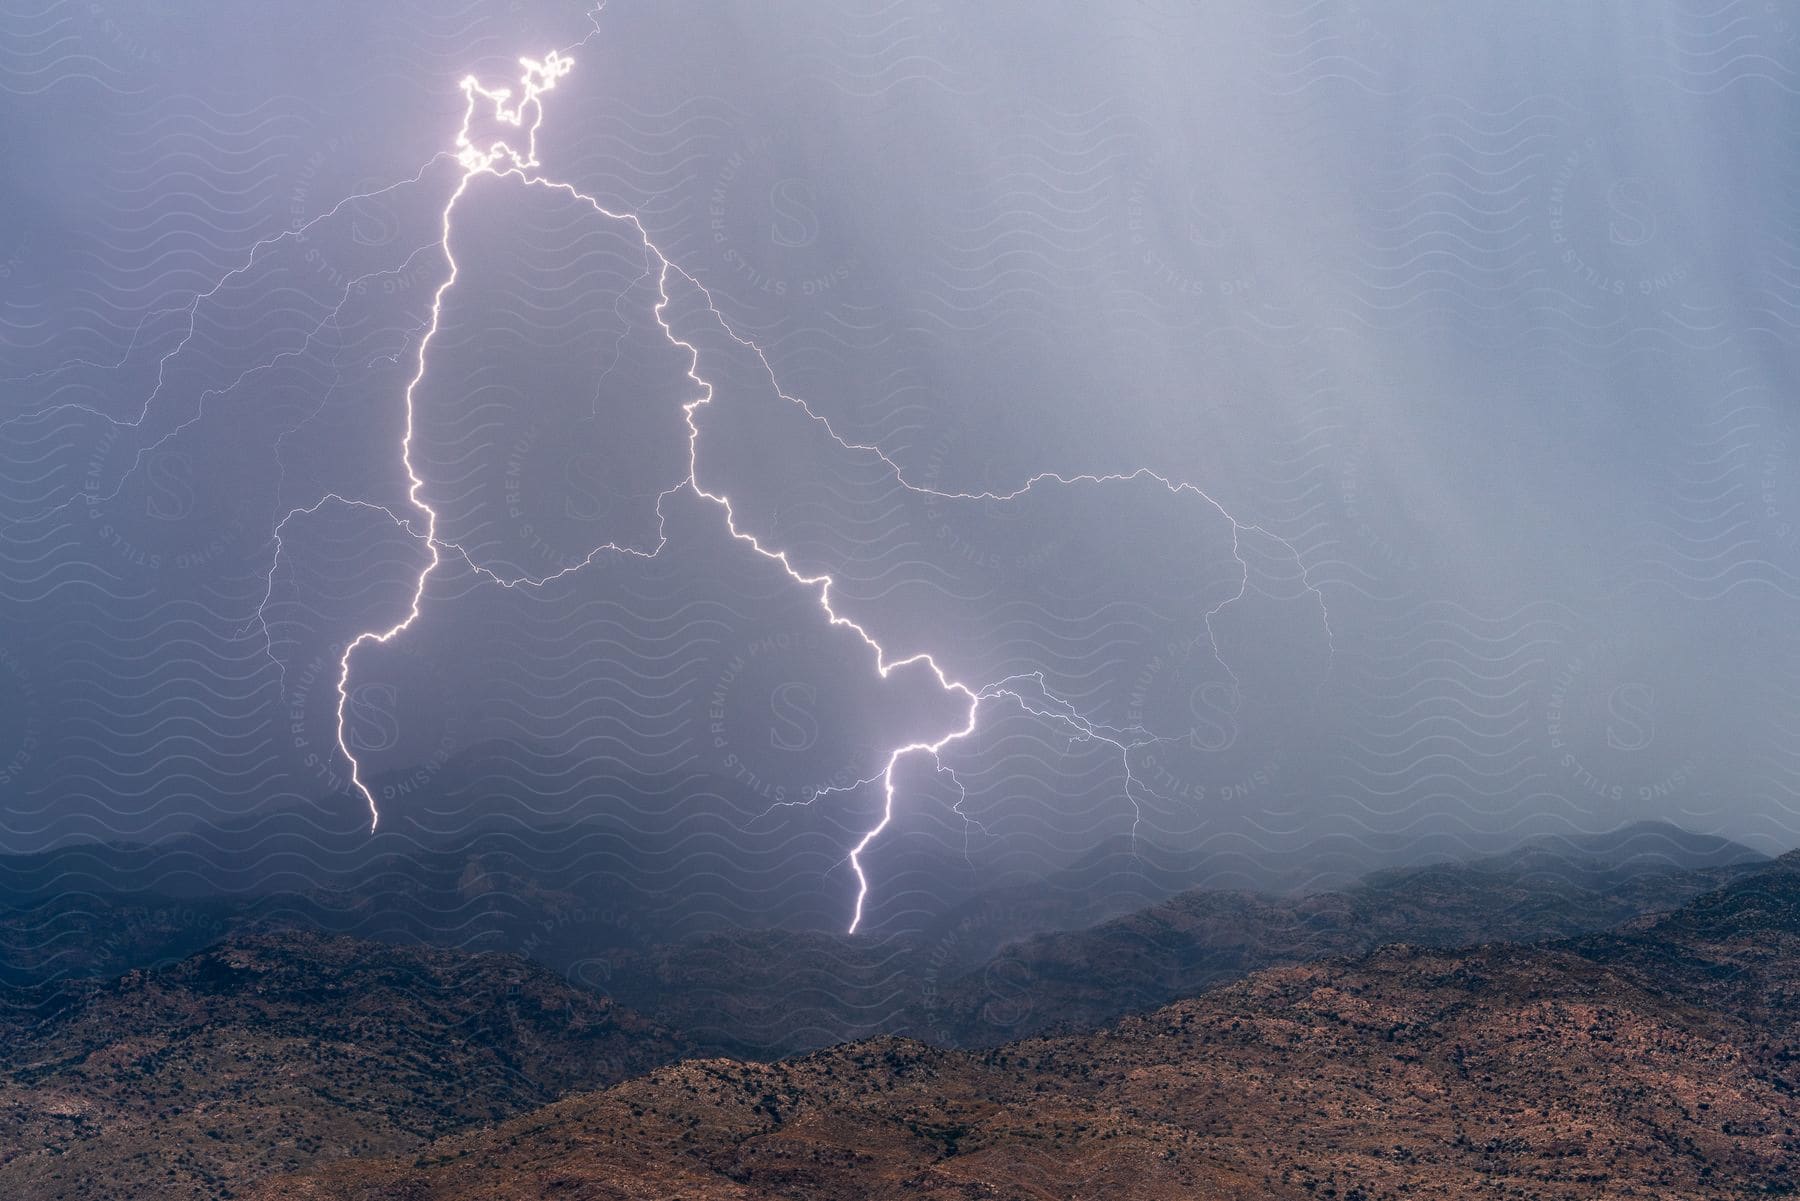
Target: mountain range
<point>1657,1061</point>
<point>1626,988</point>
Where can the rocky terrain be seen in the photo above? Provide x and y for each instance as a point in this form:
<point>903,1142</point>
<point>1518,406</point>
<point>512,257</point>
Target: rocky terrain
<point>275,1049</point>
<point>353,1068</point>
<point>1656,1062</point>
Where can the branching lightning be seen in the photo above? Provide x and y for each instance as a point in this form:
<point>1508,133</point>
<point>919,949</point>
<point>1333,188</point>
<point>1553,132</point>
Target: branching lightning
<point>514,156</point>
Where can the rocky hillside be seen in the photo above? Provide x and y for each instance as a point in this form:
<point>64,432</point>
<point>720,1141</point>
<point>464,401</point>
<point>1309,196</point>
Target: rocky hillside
<point>1656,1062</point>
<point>275,1049</point>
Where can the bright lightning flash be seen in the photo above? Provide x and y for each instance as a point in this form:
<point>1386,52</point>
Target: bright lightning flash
<point>513,155</point>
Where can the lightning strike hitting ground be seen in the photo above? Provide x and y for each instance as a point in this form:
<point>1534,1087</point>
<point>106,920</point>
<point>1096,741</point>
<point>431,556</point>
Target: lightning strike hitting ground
<point>501,158</point>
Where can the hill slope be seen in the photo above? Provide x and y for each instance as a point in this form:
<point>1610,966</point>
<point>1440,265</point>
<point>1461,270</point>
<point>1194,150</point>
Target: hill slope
<point>274,1049</point>
<point>1659,1062</point>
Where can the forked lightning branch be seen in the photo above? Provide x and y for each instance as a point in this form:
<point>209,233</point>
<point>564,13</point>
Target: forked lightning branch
<point>509,153</point>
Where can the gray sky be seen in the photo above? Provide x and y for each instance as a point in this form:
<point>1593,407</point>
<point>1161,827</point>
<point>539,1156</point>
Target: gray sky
<point>1470,327</point>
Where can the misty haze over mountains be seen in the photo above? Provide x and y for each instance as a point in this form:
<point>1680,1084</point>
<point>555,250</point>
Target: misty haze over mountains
<point>573,901</point>
<point>1473,320</point>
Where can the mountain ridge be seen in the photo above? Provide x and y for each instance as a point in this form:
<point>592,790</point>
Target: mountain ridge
<point>1657,1062</point>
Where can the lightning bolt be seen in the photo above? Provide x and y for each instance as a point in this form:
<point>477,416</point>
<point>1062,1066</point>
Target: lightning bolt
<point>514,156</point>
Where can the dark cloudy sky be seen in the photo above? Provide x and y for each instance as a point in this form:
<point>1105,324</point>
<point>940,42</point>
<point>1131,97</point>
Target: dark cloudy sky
<point>1472,324</point>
